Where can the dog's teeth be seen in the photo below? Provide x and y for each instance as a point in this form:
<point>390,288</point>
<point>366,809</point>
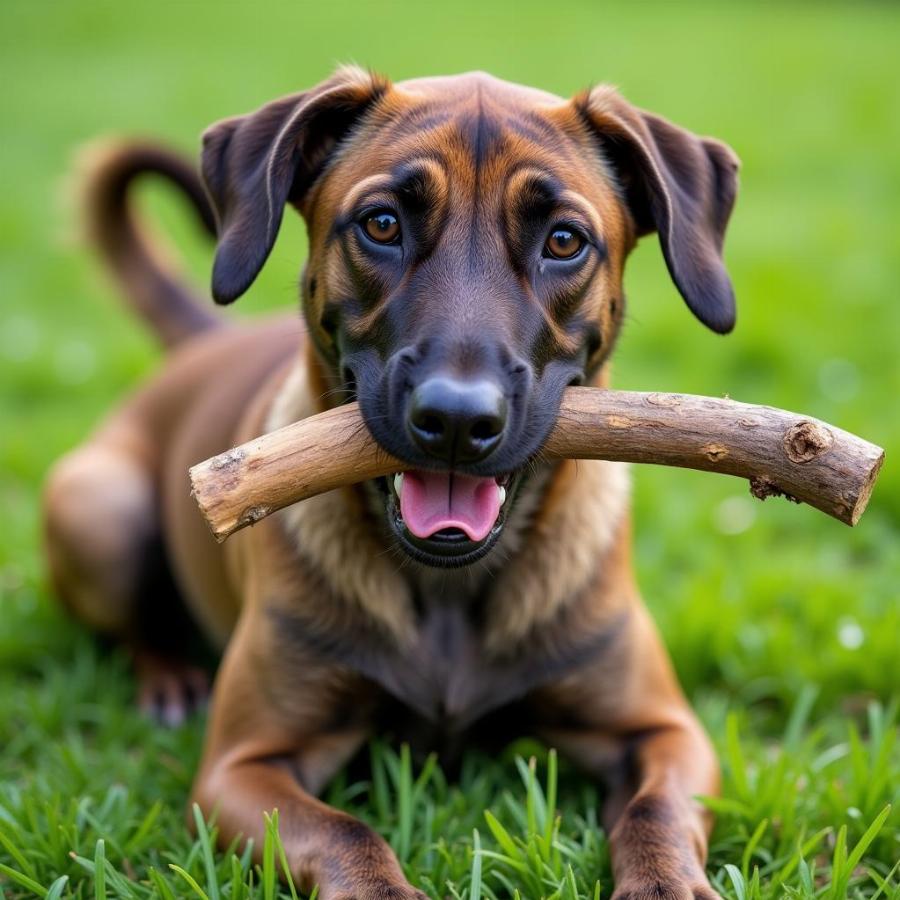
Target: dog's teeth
<point>502,491</point>
<point>398,483</point>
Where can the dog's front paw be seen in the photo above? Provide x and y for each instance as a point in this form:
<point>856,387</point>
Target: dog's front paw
<point>657,889</point>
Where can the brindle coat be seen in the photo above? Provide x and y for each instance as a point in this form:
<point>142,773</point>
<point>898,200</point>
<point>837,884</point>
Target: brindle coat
<point>330,630</point>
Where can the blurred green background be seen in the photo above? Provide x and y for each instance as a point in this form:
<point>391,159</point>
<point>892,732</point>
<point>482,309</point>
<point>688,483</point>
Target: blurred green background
<point>756,601</point>
<point>806,94</point>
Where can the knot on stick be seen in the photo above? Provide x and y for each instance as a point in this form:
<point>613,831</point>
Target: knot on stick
<point>807,440</point>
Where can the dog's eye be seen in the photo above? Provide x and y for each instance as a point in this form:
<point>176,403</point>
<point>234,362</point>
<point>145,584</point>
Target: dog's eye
<point>563,243</point>
<point>382,226</point>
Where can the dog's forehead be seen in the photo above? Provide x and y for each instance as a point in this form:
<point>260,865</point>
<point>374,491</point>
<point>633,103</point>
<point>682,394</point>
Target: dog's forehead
<point>474,131</point>
<point>469,123</point>
<point>482,108</point>
<point>471,86</point>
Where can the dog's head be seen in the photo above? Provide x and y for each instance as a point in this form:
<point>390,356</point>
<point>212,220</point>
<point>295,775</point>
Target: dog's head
<point>467,241</point>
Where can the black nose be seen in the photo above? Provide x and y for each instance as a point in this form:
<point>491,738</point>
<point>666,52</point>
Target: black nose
<point>457,421</point>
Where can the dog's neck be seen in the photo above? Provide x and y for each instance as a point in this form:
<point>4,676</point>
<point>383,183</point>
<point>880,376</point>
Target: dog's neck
<point>331,531</point>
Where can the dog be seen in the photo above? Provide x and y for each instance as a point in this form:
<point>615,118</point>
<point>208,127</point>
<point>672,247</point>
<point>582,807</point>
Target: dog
<point>467,238</point>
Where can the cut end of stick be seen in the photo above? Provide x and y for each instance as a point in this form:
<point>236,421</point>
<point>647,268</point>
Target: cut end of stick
<point>865,491</point>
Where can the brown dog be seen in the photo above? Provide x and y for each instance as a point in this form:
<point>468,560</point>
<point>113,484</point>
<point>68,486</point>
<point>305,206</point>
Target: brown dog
<point>467,241</point>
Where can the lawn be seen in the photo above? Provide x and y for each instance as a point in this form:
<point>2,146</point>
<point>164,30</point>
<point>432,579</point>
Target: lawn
<point>784,625</point>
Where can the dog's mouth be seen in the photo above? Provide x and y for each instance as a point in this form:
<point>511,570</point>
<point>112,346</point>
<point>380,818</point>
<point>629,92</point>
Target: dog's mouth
<point>446,518</point>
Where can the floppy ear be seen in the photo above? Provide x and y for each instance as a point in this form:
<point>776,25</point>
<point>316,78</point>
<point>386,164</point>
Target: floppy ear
<point>253,165</point>
<point>676,184</point>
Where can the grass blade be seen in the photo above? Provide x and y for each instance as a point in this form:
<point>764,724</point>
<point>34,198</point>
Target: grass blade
<point>57,888</point>
<point>24,880</point>
<point>737,879</point>
<point>475,885</point>
<point>206,851</point>
<point>282,855</point>
<point>144,828</point>
<point>755,838</point>
<point>161,885</point>
<point>736,762</point>
<point>100,870</point>
<point>502,836</point>
<point>190,880</point>
<point>20,859</point>
<point>800,716</point>
<point>551,795</point>
<point>404,805</point>
<point>268,865</point>
<point>870,834</point>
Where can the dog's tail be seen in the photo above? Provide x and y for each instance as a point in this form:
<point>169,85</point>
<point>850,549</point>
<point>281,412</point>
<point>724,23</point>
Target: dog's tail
<point>165,301</point>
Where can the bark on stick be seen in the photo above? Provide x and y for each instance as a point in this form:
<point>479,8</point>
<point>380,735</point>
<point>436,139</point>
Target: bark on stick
<point>779,452</point>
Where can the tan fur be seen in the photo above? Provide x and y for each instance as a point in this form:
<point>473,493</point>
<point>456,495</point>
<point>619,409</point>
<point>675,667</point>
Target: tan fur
<point>331,532</point>
<point>588,498</point>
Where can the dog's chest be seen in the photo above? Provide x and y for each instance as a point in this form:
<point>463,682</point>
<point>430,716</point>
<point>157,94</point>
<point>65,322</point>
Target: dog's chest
<point>453,688</point>
<point>442,674</point>
<point>445,676</point>
<point>449,680</point>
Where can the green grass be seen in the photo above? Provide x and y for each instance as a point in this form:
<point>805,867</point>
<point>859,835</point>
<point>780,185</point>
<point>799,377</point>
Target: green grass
<point>784,626</point>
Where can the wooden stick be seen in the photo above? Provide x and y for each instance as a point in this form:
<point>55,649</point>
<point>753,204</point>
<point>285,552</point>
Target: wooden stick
<point>781,453</point>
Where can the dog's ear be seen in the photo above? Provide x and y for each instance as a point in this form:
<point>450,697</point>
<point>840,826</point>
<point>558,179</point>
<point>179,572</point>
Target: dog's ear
<point>255,164</point>
<point>679,185</point>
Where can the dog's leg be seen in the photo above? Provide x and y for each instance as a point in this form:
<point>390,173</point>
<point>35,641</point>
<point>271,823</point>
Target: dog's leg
<point>281,724</point>
<point>108,566</point>
<point>638,733</point>
<point>659,835</point>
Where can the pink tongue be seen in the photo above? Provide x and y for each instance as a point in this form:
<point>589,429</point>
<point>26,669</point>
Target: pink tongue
<point>432,501</point>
